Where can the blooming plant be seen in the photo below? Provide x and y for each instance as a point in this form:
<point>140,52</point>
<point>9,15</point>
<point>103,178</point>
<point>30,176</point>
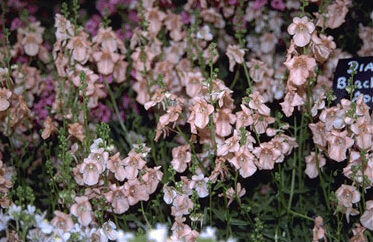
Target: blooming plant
<point>195,120</point>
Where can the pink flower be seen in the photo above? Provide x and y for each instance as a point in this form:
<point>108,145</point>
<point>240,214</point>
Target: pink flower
<point>338,143</point>
<point>230,145</point>
<point>83,210</point>
<point>91,170</point>
<point>199,183</point>
<point>5,95</point>
<point>181,156</point>
<point>291,100</point>
<point>257,103</point>
<point>62,222</point>
<point>302,29</point>
<point>223,118</point>
<point>363,130</point>
<point>135,191</point>
<point>181,205</point>
<point>231,194</point>
<point>244,117</point>
<point>116,165</point>
<point>313,163</point>
<point>118,199</point>
<point>347,195</point>
<point>235,55</point>
<point>133,163</point>
<point>278,4</point>
<point>169,193</point>
<point>318,230</point>
<point>80,47</point>
<point>319,133</point>
<point>200,113</point>
<point>151,179</point>
<point>258,4</point>
<point>266,155</point>
<point>367,218</point>
<point>300,68</point>
<point>105,61</point>
<point>243,161</point>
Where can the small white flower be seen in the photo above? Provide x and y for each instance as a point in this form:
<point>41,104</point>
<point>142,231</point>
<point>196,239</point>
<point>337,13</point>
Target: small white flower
<point>96,144</point>
<point>30,209</point>
<point>43,224</point>
<point>124,237</point>
<point>204,33</point>
<point>3,221</point>
<point>14,211</point>
<point>108,230</point>
<point>208,233</point>
<point>159,234</point>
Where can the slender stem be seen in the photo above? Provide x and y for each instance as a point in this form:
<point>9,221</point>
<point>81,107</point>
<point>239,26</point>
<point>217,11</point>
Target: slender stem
<point>144,214</point>
<point>126,135</point>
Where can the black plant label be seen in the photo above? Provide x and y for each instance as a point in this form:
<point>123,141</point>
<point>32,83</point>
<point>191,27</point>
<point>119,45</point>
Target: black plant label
<point>361,71</point>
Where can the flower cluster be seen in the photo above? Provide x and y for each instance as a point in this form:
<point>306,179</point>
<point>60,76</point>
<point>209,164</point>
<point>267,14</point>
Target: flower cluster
<point>224,109</point>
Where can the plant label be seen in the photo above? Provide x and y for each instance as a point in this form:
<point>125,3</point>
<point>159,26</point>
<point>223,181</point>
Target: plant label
<point>361,69</point>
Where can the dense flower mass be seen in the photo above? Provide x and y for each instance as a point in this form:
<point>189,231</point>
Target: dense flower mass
<point>159,120</point>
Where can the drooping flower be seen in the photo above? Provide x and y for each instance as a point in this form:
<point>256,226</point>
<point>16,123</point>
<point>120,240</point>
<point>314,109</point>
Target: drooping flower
<point>313,163</point>
<point>318,230</point>
<point>235,55</point>
<point>367,218</point>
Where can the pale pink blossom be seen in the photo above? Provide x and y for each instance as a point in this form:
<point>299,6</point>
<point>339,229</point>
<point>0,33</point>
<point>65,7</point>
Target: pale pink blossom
<point>151,179</point>
<point>347,195</point>
<point>318,230</point>
<point>133,163</point>
<point>181,205</point>
<point>233,194</point>
<point>338,143</point>
<point>319,133</point>
<point>291,100</point>
<point>83,210</point>
<point>367,218</point>
<point>300,68</point>
<point>230,145</point>
<point>62,221</point>
<point>91,170</point>
<point>135,191</point>
<point>235,55</point>
<point>257,103</point>
<point>118,199</point>
<point>313,163</point>
<point>105,61</point>
<point>302,29</point>
<point>181,156</point>
<point>266,155</point>
<point>199,183</point>
<point>169,193</point>
<point>200,113</point>
<point>244,117</point>
<point>244,161</point>
<point>116,165</point>
<point>223,120</point>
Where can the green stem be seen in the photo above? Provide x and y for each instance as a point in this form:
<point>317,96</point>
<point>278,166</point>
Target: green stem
<point>126,135</point>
